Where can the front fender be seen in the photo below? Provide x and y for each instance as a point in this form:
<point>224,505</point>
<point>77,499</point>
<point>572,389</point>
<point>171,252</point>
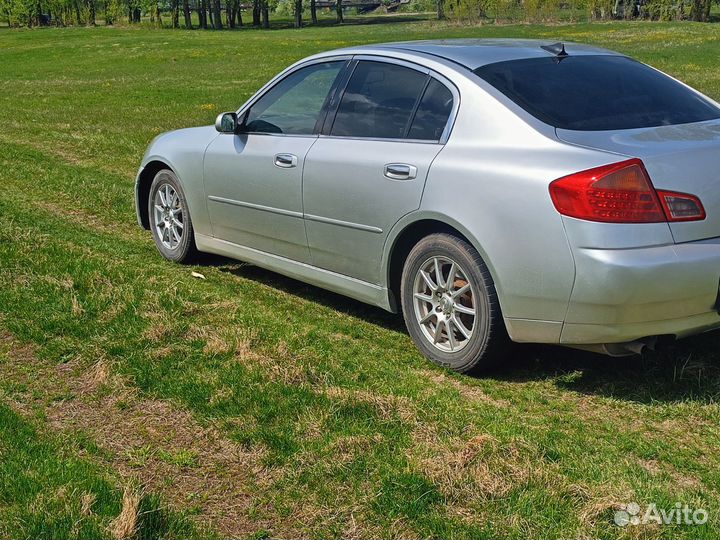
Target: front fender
<point>183,152</point>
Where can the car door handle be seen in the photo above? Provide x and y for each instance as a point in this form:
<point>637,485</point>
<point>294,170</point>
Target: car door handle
<point>286,161</point>
<point>400,171</point>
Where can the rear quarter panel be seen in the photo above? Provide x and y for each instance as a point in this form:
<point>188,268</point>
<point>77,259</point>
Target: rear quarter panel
<point>493,177</point>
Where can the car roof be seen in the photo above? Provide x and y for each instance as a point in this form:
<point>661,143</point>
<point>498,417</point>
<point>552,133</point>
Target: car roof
<point>474,53</point>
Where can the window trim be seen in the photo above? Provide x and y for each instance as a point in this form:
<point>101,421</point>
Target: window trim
<point>280,77</point>
<point>356,59</point>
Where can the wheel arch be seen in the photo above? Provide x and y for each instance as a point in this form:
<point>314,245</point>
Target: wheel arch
<point>142,188</point>
<point>406,233</point>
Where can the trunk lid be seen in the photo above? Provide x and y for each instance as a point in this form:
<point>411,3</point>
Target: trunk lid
<point>683,158</point>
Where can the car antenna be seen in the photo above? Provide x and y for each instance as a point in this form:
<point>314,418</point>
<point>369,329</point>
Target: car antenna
<point>558,49</point>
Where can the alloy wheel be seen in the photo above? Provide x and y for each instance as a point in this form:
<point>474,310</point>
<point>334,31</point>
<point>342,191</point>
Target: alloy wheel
<point>444,304</point>
<point>169,221</point>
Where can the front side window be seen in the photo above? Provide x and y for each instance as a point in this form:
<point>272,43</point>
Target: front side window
<point>379,101</point>
<point>293,106</point>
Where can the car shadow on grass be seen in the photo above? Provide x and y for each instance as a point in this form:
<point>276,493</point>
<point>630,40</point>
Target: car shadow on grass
<point>308,292</point>
<point>687,370</point>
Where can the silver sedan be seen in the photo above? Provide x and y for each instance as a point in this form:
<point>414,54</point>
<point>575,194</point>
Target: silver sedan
<point>491,190</point>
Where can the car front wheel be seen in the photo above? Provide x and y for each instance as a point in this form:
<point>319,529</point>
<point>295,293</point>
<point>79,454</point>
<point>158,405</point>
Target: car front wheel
<point>450,305</point>
<point>170,221</point>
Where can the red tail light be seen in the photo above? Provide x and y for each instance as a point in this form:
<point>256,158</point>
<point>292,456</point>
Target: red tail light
<point>621,193</point>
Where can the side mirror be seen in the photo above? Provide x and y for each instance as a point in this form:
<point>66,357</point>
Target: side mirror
<point>226,122</point>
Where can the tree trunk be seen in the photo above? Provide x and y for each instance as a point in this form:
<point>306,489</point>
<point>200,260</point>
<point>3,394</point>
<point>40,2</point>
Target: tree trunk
<point>339,11</point>
<point>265,12</point>
<point>256,12</point>
<point>313,11</point>
<point>298,13</point>
<point>187,14</point>
<point>697,11</point>
<point>202,14</point>
<point>157,17</point>
<point>217,15</point>
<point>441,10</point>
<point>175,13</point>
<point>706,17</point>
<point>133,13</point>
<point>235,15</point>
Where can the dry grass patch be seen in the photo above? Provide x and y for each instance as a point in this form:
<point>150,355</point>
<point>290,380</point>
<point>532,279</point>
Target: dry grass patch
<point>469,392</point>
<point>88,220</point>
<point>86,503</point>
<point>222,471</point>
<point>124,424</point>
<point>470,471</point>
<point>473,470</point>
<point>345,449</point>
<point>125,524</point>
<point>387,406</point>
<point>77,308</point>
<point>218,341</point>
<point>683,480</point>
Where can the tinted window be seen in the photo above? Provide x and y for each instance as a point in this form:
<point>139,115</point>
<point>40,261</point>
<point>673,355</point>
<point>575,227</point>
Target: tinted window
<point>594,93</point>
<point>293,105</point>
<point>379,101</point>
<point>432,113</point>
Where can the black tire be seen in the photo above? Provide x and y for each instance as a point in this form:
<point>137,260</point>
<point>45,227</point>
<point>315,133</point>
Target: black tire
<point>488,341</point>
<point>184,251</point>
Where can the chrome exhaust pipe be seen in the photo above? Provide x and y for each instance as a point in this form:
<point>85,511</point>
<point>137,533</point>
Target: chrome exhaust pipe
<point>628,348</point>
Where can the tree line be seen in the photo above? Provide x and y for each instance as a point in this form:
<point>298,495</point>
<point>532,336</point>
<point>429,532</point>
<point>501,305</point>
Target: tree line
<point>206,14</point>
<point>219,14</point>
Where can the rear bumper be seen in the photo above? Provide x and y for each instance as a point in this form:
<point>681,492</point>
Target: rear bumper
<point>622,295</point>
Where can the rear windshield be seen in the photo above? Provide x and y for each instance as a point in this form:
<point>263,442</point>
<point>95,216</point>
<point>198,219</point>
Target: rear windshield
<point>593,93</point>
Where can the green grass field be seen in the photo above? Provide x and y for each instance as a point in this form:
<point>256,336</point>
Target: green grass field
<point>137,399</point>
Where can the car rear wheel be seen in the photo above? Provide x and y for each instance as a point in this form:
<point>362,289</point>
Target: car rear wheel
<point>170,221</point>
<point>450,305</point>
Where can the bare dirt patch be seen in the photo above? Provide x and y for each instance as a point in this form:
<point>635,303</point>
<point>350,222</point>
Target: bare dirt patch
<point>150,442</point>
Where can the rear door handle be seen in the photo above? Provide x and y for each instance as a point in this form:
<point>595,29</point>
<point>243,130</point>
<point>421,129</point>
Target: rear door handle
<point>285,161</point>
<point>400,171</point>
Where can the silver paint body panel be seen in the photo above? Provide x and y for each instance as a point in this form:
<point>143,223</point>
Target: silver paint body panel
<point>334,220</point>
<point>251,201</point>
<point>358,204</point>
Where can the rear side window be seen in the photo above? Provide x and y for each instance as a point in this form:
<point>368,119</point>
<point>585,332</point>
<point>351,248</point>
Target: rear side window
<point>433,112</point>
<point>597,92</point>
<point>379,101</point>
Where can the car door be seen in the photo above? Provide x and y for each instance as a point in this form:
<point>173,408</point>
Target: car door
<point>253,179</point>
<point>369,166</point>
